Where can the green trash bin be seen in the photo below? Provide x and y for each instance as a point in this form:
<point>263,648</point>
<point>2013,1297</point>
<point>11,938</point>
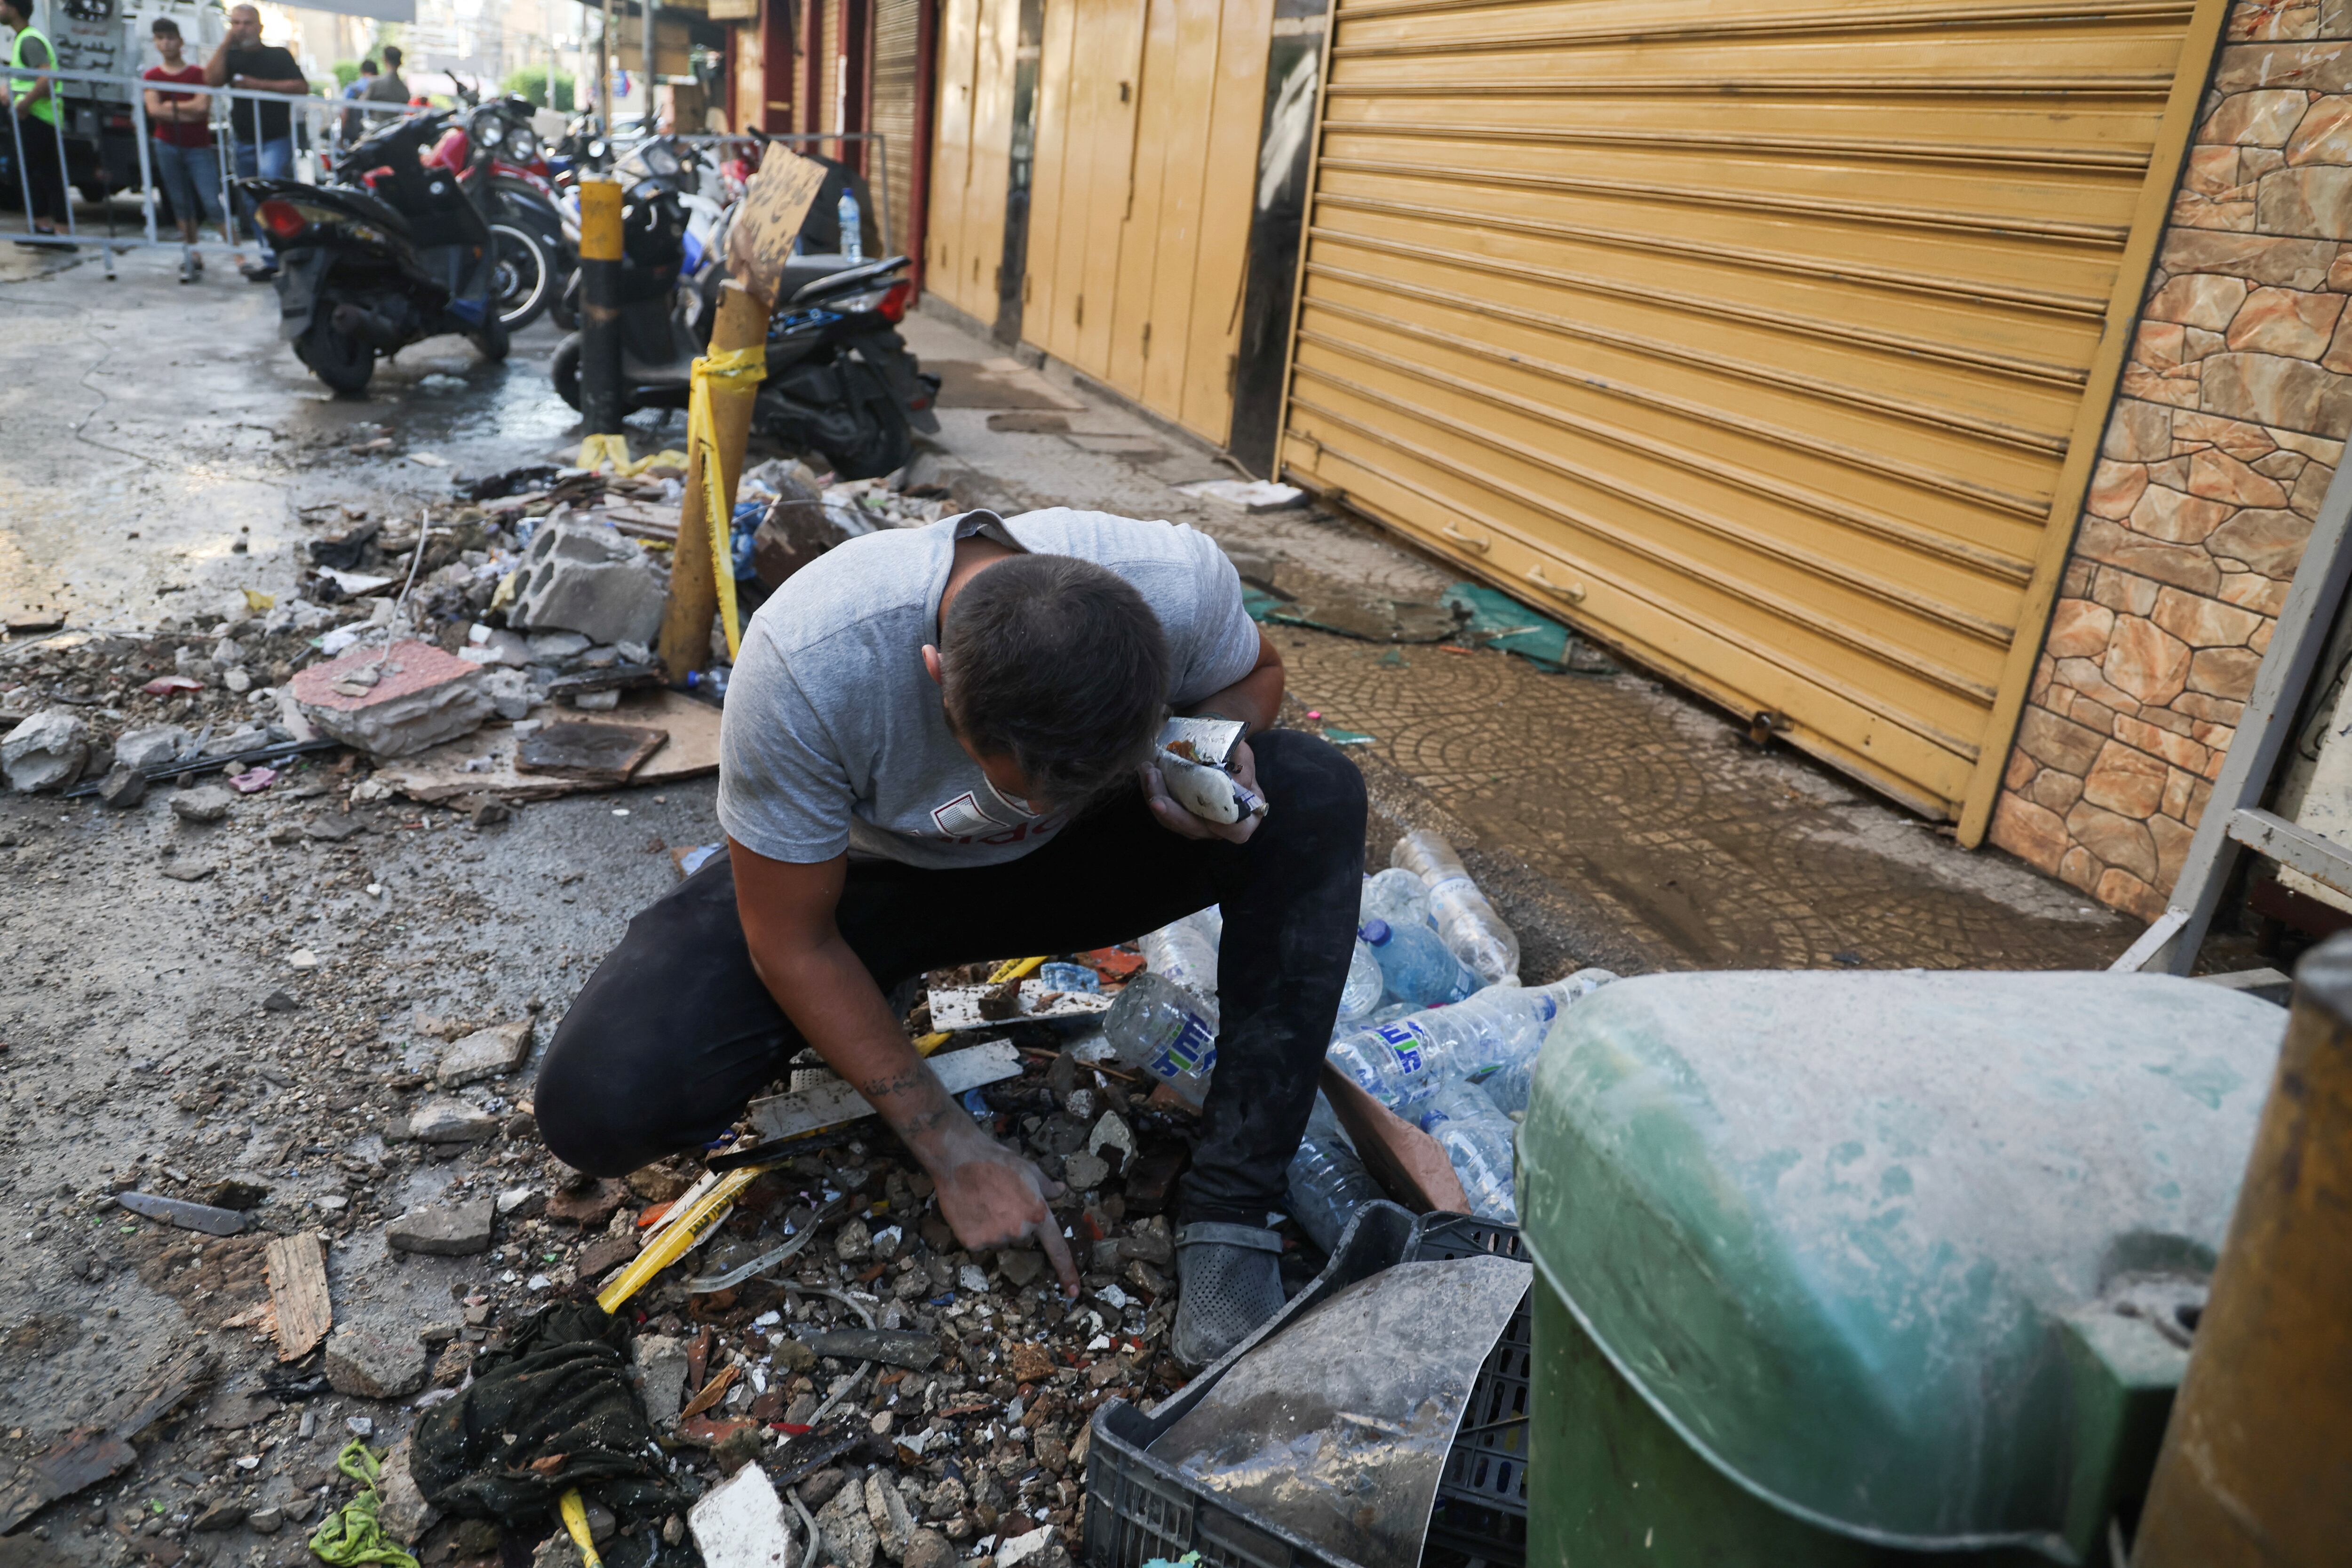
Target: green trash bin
<point>1838,1268</point>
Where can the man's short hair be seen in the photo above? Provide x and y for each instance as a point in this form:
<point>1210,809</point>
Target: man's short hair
<point>1060,663</point>
<point>166,27</point>
<point>392,56</point>
<point>367,68</point>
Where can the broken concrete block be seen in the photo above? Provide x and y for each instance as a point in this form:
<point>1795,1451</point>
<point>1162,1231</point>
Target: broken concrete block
<point>404,1512</point>
<point>589,579</point>
<point>371,1363</point>
<point>509,692</point>
<point>209,802</point>
<point>848,1534</point>
<point>485,1053</point>
<point>153,746</point>
<point>451,1122</point>
<point>490,645</point>
<point>739,1524</point>
<point>393,703</point>
<point>886,1510</point>
<point>46,752</point>
<point>124,787</point>
<point>444,1230</point>
<point>661,1367</point>
<point>1025,1548</point>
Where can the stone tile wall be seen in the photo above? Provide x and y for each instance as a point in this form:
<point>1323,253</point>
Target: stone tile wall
<point>2235,403</point>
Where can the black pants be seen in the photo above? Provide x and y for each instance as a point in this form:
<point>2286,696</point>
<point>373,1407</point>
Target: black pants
<point>44,178</point>
<point>675,1032</point>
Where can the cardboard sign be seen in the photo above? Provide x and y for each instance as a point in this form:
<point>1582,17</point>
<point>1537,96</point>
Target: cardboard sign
<point>768,222</point>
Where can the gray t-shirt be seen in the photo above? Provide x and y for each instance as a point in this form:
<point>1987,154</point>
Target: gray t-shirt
<point>834,737</point>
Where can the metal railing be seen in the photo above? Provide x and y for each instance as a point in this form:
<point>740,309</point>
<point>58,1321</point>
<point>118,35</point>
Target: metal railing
<point>322,120</point>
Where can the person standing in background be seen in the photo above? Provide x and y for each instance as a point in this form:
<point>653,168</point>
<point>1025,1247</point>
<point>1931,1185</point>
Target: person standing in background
<point>261,132</point>
<point>186,164</point>
<point>34,109</point>
<point>387,87</point>
<point>355,123</point>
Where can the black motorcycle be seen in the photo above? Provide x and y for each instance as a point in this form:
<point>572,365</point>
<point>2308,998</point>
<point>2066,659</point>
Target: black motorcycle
<point>840,381</point>
<point>391,253</point>
<point>497,155</point>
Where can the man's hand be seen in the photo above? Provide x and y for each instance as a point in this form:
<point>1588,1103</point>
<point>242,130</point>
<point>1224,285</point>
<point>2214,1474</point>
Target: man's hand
<point>1177,820</point>
<point>992,1198</point>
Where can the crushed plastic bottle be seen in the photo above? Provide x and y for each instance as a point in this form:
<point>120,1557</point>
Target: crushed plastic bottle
<point>1417,966</point>
<point>1511,1079</point>
<point>1185,950</point>
<point>1326,1183</point>
<point>1396,897</point>
<point>1161,1028</point>
<point>1466,923</point>
<point>1477,1139</point>
<point>1366,986</point>
<point>1403,1060</point>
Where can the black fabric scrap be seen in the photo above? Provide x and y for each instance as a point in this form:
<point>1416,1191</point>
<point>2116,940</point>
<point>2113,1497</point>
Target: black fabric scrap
<point>560,1389</point>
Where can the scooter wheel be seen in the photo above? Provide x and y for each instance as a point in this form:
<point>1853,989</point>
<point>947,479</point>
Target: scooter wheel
<point>524,283</point>
<point>564,370</point>
<point>338,359</point>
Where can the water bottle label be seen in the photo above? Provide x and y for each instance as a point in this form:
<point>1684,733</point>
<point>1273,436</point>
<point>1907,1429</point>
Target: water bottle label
<point>1194,1050</point>
<point>1404,1043</point>
<point>1455,880</point>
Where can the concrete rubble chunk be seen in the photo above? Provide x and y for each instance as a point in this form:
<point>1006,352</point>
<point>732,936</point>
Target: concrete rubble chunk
<point>485,1053</point>
<point>46,752</point>
<point>886,1510</point>
<point>849,1538</point>
<point>208,802</point>
<point>1025,1548</point>
<point>404,1512</point>
<point>584,578</point>
<point>124,787</point>
<point>153,745</point>
<point>522,1202</point>
<point>929,1549</point>
<point>451,1122</point>
<point>394,701</point>
<point>369,1362</point>
<point>892,1347</point>
<point>444,1230</point>
<point>742,1523</point>
<point>661,1368</point>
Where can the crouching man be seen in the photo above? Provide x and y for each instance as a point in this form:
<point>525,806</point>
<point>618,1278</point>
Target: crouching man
<point>936,752</point>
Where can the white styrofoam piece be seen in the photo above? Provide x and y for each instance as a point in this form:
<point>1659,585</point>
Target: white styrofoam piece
<point>833,1101</point>
<point>740,1523</point>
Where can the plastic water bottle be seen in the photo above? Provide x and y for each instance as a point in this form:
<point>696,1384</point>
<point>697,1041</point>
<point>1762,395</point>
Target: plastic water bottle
<point>1509,1084</point>
<point>1470,929</point>
<point>1366,986</point>
<point>1326,1183</point>
<point>1403,1060</point>
<point>1185,952</point>
<point>1396,897</point>
<point>853,233</point>
<point>1477,1139</point>
<point>1160,1027</point>
<point>1416,965</point>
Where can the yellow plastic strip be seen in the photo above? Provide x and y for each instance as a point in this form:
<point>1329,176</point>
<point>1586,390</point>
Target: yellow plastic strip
<point>740,372</point>
<point>674,1242</point>
<point>575,1520</point>
<point>598,451</point>
<point>925,1044</point>
<point>1014,968</point>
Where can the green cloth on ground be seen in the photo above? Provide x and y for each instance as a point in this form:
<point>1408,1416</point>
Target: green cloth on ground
<point>352,1535</point>
<point>1498,621</point>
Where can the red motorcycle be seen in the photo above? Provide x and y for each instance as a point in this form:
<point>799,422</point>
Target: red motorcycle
<point>495,156</point>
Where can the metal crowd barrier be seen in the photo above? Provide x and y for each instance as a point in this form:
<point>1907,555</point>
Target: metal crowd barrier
<point>322,120</point>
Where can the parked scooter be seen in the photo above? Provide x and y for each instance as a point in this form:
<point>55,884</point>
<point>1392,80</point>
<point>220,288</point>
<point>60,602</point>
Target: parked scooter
<point>391,253</point>
<point>840,381</point>
<point>495,153</point>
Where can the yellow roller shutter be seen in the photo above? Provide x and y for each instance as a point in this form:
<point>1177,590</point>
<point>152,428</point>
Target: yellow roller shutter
<point>897,24</point>
<point>1766,340</point>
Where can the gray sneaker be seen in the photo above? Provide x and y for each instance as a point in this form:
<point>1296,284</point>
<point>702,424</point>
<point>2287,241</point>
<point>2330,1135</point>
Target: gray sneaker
<point>1231,1281</point>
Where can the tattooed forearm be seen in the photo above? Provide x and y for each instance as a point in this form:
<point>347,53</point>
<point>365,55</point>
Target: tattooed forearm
<point>884,1088</point>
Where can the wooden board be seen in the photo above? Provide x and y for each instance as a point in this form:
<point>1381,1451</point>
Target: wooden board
<point>767,224</point>
<point>587,753</point>
<point>440,773</point>
<point>833,1101</point>
<point>297,1267</point>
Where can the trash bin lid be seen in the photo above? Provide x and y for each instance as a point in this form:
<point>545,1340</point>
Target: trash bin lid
<point>1827,1224</point>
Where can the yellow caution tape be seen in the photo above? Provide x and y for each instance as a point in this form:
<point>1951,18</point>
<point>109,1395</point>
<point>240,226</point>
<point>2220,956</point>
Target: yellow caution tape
<point>680,1234</point>
<point>925,1044</point>
<point>1014,968</point>
<point>597,451</point>
<point>738,373</point>
<point>575,1520</point>
<point>667,457</point>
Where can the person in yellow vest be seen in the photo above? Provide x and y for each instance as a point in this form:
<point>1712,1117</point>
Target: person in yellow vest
<point>32,100</point>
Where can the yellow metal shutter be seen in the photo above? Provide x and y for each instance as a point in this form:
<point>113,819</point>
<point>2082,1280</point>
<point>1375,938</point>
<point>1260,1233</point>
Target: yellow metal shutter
<point>895,78</point>
<point>1763,341</point>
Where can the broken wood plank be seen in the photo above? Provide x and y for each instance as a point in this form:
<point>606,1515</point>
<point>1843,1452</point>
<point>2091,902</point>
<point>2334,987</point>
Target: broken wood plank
<point>297,1268</point>
<point>833,1101</point>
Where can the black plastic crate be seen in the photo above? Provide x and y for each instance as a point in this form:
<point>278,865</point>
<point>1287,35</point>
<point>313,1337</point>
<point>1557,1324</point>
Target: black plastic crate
<point>1139,1508</point>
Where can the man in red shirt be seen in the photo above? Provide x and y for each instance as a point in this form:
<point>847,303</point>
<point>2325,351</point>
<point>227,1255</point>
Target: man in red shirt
<point>186,164</point>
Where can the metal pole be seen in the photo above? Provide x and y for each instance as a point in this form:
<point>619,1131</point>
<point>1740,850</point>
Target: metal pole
<point>653,114</point>
<point>599,305</point>
<point>146,167</point>
<point>605,73</point>
<point>2256,1468</point>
